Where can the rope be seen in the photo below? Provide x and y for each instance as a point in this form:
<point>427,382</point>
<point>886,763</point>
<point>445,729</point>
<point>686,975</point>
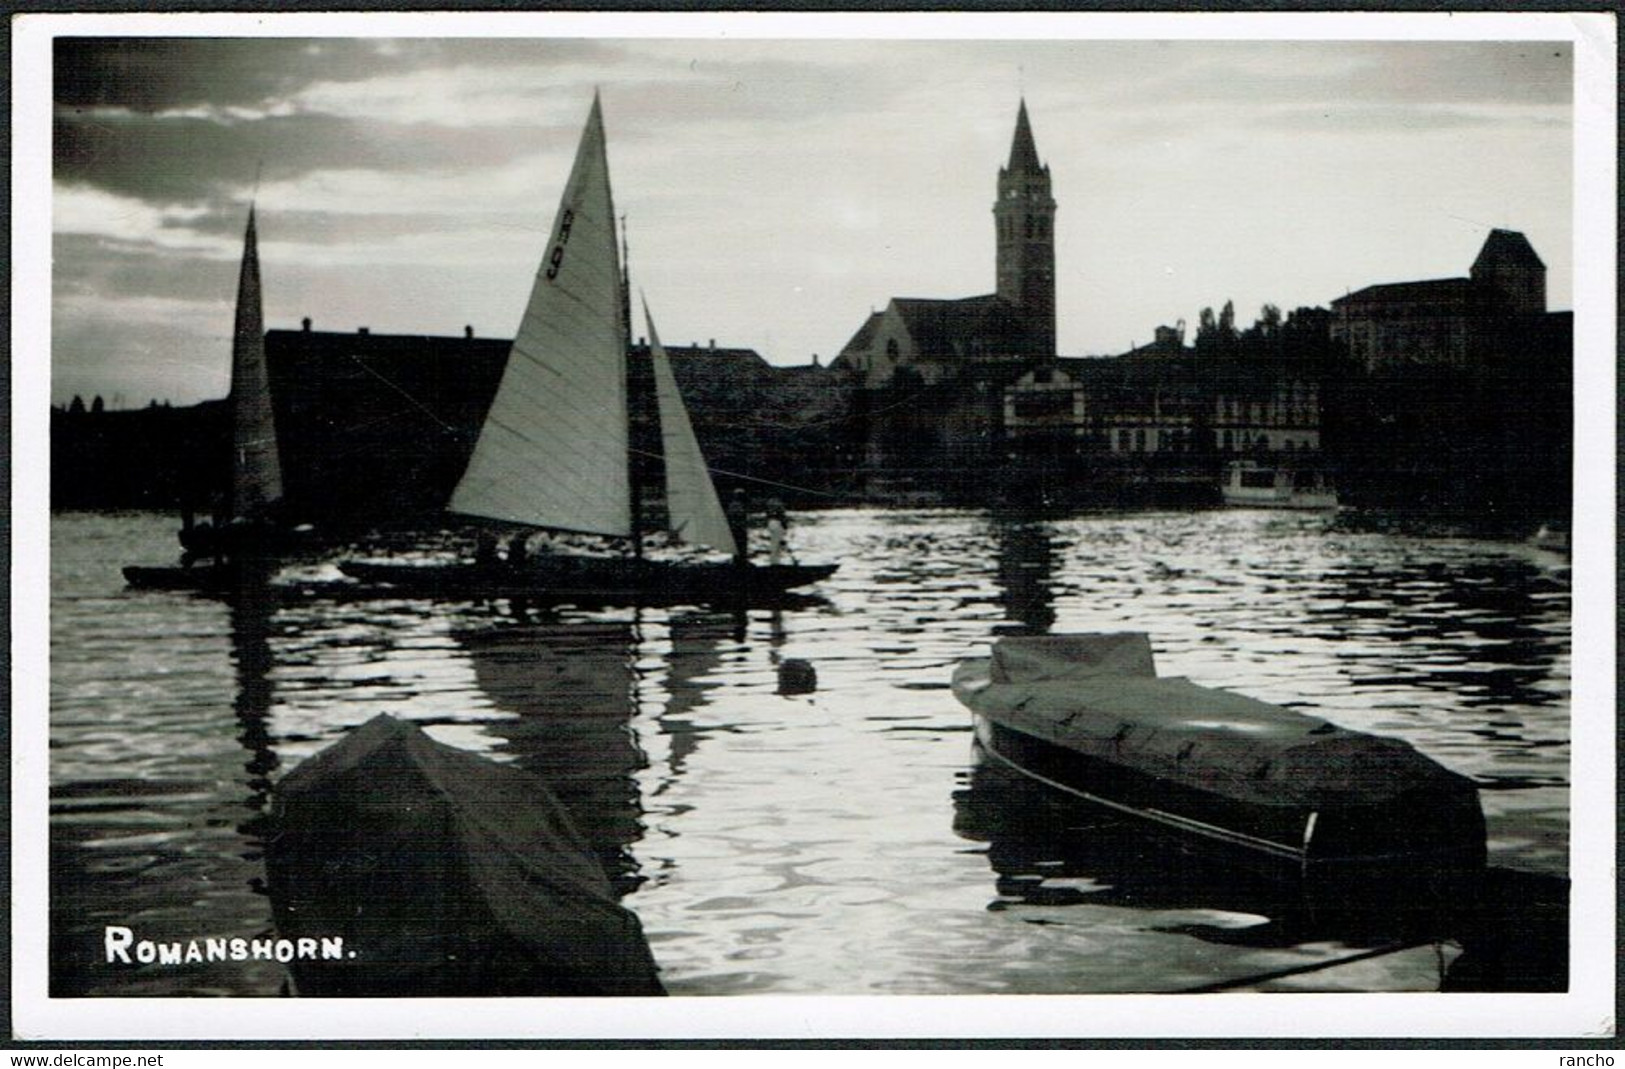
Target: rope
<point>1298,970</point>
<point>449,429</point>
<point>747,478</point>
<point>419,405</point>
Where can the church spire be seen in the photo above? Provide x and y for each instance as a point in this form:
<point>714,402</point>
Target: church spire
<point>1024,218</point>
<point>1023,151</point>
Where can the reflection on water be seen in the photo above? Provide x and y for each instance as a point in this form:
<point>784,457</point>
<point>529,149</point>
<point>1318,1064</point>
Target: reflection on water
<point>250,612</point>
<point>1048,850</point>
<point>835,835</point>
<point>572,694</point>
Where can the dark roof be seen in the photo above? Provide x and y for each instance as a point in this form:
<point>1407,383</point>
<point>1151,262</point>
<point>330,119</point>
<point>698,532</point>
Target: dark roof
<point>936,325</point>
<point>865,334</point>
<point>1435,289</point>
<point>1023,152</point>
<point>331,343</point>
<point>713,358</point>
<point>1506,246</point>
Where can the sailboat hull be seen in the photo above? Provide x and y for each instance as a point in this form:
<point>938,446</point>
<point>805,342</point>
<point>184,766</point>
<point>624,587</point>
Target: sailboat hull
<point>599,580</point>
<point>208,578</point>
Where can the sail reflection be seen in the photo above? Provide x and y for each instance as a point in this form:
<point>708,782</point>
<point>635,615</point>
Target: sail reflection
<point>696,655</point>
<point>572,690</point>
<point>251,609</point>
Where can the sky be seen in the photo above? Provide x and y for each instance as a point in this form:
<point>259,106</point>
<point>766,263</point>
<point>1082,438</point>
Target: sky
<point>777,191</point>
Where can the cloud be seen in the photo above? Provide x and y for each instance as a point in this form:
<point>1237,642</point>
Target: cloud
<point>157,74</point>
<point>778,189</point>
<point>1409,74</point>
<point>188,159</point>
<point>113,270</point>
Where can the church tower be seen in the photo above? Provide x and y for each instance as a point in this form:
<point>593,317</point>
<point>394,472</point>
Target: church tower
<point>1025,217</point>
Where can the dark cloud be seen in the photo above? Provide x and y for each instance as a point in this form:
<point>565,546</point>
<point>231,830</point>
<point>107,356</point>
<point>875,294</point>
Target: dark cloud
<point>158,74</point>
<point>299,227</point>
<point>84,265</point>
<point>165,73</point>
<point>182,160</point>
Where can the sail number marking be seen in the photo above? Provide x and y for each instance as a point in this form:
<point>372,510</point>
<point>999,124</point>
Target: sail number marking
<point>556,258</point>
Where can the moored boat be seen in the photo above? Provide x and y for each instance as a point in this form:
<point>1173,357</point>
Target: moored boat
<point>1551,537</point>
<point>1087,715</point>
<point>444,874</point>
<point>1249,484</point>
<point>573,578</point>
<point>214,577</point>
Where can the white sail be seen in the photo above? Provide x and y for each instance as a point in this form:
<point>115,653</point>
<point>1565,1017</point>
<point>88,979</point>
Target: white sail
<point>553,450</point>
<point>691,497</point>
<point>256,481</point>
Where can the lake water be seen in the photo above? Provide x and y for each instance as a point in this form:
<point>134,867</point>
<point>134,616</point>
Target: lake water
<point>839,841</point>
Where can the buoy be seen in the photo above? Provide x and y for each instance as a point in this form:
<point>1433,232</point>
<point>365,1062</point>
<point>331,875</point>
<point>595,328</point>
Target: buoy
<point>797,677</point>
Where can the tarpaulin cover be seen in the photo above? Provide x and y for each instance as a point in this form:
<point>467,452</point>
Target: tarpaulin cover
<point>446,874</point>
<point>1191,735</point>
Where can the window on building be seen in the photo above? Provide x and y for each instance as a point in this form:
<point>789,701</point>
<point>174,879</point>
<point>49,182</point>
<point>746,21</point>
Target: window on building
<point>1139,439</point>
<point>1051,405</point>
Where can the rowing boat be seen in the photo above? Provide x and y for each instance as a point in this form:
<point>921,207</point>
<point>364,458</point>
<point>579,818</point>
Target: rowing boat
<point>1087,715</point>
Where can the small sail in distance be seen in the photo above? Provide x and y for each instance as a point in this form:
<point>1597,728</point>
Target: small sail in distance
<point>691,497</point>
<point>256,481</point>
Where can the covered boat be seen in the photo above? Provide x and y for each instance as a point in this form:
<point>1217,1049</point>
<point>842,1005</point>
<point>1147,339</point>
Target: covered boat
<point>1087,714</point>
<point>445,874</point>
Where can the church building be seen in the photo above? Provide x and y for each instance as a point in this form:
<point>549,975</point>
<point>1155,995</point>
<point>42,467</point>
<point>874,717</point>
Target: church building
<point>940,340</point>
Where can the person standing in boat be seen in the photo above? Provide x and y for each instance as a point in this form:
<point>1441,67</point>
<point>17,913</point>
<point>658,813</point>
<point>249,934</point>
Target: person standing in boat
<point>518,552</point>
<point>739,525</point>
<point>485,550</point>
<point>778,526</point>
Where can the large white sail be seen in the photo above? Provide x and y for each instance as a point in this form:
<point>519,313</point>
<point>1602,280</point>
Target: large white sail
<point>553,450</point>
<point>256,480</point>
<point>691,497</point>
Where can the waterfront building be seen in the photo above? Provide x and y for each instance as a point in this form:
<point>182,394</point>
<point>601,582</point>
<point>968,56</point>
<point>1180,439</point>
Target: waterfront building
<point>1445,322</point>
<point>379,426</point>
<point>1161,399</point>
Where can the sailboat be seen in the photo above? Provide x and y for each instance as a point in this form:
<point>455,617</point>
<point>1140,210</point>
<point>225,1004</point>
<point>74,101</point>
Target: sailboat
<point>556,451</point>
<point>243,532</point>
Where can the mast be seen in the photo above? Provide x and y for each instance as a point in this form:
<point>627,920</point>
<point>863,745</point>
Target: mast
<point>634,485</point>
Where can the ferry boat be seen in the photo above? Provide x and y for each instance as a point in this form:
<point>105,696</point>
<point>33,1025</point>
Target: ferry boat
<point>1087,715</point>
<point>1249,484</point>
